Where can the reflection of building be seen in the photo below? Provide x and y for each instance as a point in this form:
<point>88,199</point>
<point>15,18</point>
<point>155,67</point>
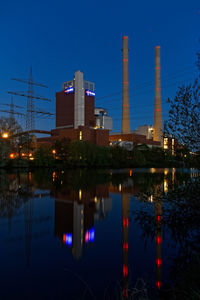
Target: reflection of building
<point>103,206</point>
<point>75,212</point>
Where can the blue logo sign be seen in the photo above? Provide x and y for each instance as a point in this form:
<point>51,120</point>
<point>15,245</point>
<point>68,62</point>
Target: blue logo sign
<point>69,90</point>
<point>89,93</point>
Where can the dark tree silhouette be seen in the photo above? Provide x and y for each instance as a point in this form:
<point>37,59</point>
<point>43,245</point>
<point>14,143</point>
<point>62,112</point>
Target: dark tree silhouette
<point>184,116</point>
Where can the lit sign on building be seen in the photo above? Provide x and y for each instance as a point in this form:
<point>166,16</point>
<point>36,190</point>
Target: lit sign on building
<point>67,239</point>
<point>89,93</point>
<point>69,90</point>
<point>89,235</point>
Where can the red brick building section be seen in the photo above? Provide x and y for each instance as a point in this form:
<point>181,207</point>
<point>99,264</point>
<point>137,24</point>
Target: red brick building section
<point>64,109</point>
<point>99,137</point>
<point>89,111</point>
<point>75,108</point>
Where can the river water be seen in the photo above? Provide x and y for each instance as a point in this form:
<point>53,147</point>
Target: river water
<point>98,234</point>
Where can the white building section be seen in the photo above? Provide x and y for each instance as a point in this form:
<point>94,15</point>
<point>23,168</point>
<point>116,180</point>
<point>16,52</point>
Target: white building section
<point>146,130</point>
<point>88,85</point>
<point>79,100</point>
<point>103,121</point>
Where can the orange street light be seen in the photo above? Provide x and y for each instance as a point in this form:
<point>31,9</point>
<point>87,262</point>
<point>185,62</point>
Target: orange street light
<point>12,155</point>
<point>5,135</point>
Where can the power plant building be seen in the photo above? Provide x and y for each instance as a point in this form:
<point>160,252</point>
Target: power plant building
<point>75,103</point>
<point>75,114</point>
<point>78,119</point>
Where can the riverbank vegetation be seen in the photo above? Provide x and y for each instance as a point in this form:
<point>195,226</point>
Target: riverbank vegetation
<point>70,154</point>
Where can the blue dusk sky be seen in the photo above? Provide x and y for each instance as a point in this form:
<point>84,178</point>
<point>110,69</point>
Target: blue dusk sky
<point>60,37</point>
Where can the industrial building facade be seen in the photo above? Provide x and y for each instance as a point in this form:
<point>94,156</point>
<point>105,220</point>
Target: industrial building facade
<point>75,104</point>
<point>76,117</point>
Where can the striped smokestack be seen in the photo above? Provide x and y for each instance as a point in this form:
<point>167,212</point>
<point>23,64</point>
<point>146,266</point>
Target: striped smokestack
<point>125,105</point>
<point>157,132</point>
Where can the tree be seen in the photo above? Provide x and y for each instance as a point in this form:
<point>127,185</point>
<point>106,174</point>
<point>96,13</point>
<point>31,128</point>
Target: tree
<point>184,116</point>
<point>43,157</point>
<point>11,127</point>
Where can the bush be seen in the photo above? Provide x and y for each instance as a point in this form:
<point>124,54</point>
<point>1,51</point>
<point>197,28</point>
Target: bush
<point>43,157</point>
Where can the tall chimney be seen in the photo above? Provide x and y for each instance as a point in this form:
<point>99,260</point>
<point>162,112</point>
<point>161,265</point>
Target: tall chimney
<point>157,132</point>
<point>125,105</point>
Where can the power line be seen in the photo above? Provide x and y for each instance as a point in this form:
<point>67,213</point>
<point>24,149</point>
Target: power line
<point>148,83</point>
<point>134,106</point>
<point>30,82</point>
<point>29,96</point>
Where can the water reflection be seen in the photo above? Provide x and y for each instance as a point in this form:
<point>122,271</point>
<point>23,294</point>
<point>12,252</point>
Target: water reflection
<point>75,214</point>
<point>125,241</point>
<point>84,201</point>
<point>158,240</point>
<point>17,199</point>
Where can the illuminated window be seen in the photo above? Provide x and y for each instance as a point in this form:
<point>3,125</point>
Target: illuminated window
<point>165,143</point>
<point>166,171</point>
<point>165,185</point>
<point>5,135</point>
<point>80,135</point>
<point>172,146</point>
<point>53,176</point>
<point>80,194</point>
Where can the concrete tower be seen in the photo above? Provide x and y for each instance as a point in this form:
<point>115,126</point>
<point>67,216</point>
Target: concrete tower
<point>79,103</point>
<point>125,105</point>
<point>157,133</point>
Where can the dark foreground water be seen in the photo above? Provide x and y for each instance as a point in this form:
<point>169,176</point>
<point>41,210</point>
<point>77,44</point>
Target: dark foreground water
<point>95,234</point>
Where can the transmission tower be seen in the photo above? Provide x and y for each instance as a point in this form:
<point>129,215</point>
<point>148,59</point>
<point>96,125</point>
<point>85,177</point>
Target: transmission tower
<point>12,111</point>
<point>30,111</point>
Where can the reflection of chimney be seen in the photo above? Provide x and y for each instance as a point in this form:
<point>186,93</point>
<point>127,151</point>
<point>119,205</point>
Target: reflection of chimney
<point>125,105</point>
<point>157,134</point>
<point>125,244</point>
<point>158,240</point>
